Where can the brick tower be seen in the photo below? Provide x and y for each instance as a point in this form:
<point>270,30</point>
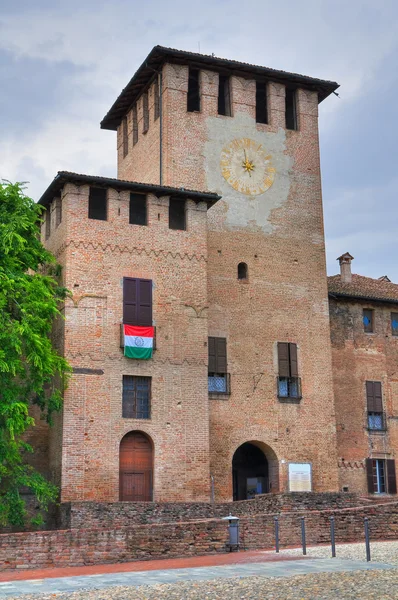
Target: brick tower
<point>241,387</point>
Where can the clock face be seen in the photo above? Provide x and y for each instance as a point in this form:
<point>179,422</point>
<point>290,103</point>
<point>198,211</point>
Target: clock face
<point>247,167</point>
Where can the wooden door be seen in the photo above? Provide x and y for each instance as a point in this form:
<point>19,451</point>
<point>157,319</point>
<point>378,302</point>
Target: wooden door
<point>135,473</point>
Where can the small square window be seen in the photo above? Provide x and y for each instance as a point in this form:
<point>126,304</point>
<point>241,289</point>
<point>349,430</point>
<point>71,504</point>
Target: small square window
<point>368,320</point>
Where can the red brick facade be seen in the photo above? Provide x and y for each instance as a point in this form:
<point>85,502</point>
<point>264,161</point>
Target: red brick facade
<point>277,232</point>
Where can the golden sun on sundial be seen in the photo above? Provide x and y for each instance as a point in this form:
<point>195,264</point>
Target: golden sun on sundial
<point>247,167</point>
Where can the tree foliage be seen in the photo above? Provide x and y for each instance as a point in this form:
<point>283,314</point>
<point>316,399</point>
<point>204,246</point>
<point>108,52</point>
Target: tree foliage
<point>31,371</point>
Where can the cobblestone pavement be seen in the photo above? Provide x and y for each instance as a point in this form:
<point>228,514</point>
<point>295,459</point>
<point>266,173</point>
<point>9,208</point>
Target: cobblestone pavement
<point>342,578</point>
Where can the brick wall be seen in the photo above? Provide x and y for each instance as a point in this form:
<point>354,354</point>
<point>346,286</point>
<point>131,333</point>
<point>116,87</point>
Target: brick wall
<point>144,542</point>
<point>359,357</point>
<point>79,515</point>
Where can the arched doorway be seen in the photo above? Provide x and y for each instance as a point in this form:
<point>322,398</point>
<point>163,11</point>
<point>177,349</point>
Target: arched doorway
<point>135,468</point>
<point>250,472</point>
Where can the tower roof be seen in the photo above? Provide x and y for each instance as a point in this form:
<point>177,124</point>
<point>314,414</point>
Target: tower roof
<point>160,55</point>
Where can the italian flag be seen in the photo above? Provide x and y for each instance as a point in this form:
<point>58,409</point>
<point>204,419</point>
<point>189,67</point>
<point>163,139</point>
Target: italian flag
<point>138,341</point>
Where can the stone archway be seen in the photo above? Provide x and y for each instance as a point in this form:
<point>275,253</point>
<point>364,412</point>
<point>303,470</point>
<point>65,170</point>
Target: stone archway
<point>136,467</point>
<point>254,470</point>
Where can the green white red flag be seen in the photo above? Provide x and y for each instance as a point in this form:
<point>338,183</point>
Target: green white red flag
<point>138,341</point>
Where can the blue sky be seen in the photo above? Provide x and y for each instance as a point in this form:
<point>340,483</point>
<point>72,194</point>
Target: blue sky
<point>62,64</point>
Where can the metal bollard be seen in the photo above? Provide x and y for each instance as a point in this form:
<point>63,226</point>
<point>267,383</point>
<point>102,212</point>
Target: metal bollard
<point>303,535</point>
<point>367,540</point>
<point>332,538</point>
<point>233,531</point>
<point>276,534</point>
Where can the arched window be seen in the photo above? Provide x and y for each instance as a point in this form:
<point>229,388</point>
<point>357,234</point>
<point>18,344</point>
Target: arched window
<point>242,271</point>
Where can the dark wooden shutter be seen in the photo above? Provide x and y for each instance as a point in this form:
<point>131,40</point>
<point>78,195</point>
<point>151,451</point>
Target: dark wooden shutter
<point>283,359</point>
<point>221,355</point>
<point>391,477</point>
<point>130,300</point>
<point>369,475</point>
<point>144,304</point>
<point>227,94</point>
<point>374,397</point>
<point>378,400</point>
<point>137,301</point>
<point>212,355</point>
<point>293,360</point>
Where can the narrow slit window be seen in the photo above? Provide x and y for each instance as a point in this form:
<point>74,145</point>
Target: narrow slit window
<point>125,137</point>
<point>193,99</point>
<point>224,96</point>
<point>156,100</point>
<point>98,204</point>
<point>138,209</point>
<point>146,112</point>
<point>135,125</point>
<point>291,109</point>
<point>177,214</point>
<point>48,222</point>
<point>261,102</point>
<point>58,211</point>
<point>242,271</point>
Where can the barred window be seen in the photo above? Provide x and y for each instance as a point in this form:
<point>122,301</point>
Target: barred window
<point>136,397</point>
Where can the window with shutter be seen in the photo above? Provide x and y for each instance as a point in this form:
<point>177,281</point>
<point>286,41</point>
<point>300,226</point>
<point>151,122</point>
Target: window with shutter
<point>391,477</point>
<point>289,384</point>
<point>98,204</point>
<point>218,381</point>
<point>136,400</point>
<point>137,301</point>
<point>369,475</point>
<point>374,400</point>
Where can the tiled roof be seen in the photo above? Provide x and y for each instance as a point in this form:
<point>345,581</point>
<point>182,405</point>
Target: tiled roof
<point>363,287</point>
<point>159,190</point>
<point>159,55</point>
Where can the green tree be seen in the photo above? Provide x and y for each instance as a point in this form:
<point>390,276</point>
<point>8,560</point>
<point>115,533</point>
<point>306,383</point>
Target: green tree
<point>31,371</point>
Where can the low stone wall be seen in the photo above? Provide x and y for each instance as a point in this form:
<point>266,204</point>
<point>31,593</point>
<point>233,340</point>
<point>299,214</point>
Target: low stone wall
<point>143,542</point>
<point>123,514</point>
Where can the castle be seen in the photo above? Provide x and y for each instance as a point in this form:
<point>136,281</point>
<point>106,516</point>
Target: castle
<point>262,374</point>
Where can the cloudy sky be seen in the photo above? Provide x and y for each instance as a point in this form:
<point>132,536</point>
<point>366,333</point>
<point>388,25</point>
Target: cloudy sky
<point>62,64</point>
